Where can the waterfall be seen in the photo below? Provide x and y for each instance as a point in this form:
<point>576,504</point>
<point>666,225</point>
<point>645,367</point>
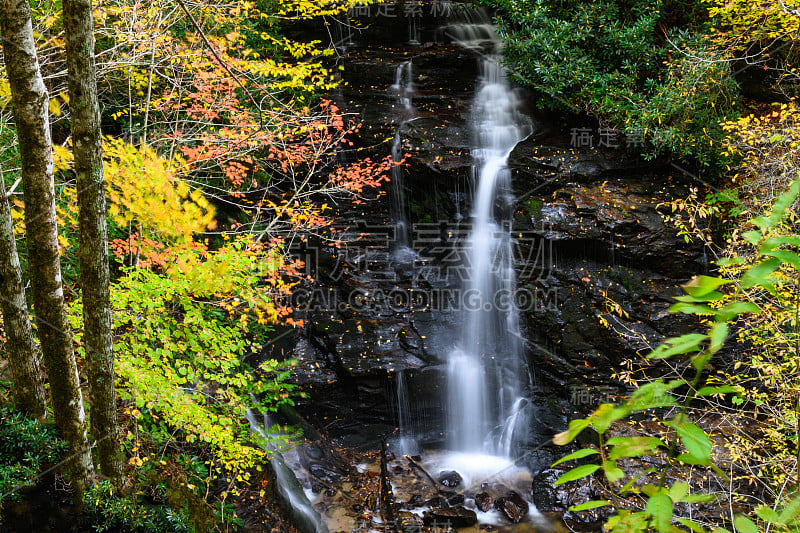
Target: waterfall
<point>404,86</point>
<point>487,372</point>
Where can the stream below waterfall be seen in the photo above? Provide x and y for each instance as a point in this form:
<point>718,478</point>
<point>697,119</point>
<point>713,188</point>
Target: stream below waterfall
<point>464,322</point>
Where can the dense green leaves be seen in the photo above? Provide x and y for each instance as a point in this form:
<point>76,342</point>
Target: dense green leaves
<point>610,58</point>
<point>26,446</point>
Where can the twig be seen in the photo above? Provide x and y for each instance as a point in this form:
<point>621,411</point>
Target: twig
<point>422,469</point>
<point>213,51</point>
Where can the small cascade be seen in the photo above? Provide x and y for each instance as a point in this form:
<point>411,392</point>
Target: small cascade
<point>290,491</point>
<point>413,31</point>
<point>487,373</point>
<point>406,443</point>
<point>343,34</point>
<point>404,86</point>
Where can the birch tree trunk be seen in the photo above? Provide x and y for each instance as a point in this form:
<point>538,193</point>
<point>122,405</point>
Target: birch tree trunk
<point>30,104</point>
<point>93,252</point>
<point>23,353</point>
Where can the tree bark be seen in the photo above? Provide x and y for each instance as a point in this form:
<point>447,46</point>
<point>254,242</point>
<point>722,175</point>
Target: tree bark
<point>23,353</point>
<point>30,104</point>
<point>93,253</point>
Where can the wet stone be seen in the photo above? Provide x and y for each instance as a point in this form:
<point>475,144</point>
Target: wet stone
<point>436,501</point>
<point>513,506</point>
<point>409,521</point>
<point>450,478</point>
<point>455,517</point>
<point>453,498</point>
<point>324,474</point>
<point>415,501</point>
<point>484,501</point>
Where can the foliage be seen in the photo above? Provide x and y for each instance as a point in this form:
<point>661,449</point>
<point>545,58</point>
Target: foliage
<point>682,441</point>
<point>181,339</point>
<point>764,20</point>
<point>764,143</point>
<point>770,373</point>
<point>105,510</point>
<point>613,60</point>
<point>26,445</point>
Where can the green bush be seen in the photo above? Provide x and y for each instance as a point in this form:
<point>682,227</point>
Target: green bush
<point>26,445</point>
<point>629,64</point>
<point>104,510</point>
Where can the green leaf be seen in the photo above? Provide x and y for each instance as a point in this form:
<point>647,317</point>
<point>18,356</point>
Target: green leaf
<point>721,389</point>
<point>695,441</point>
<point>702,285</point>
<point>594,504</point>
<point>791,511</point>
<point>775,242</point>
<point>691,524</point>
<point>634,447</point>
<point>627,486</point>
<point>678,345</point>
<point>734,309</point>
<point>786,257</point>
<point>759,273</point>
<point>744,524</point>
<point>577,473</point>
<point>782,204</point>
<point>612,471</point>
<point>699,498</point>
<point>719,332</point>
<point>574,429</point>
<point>678,491</point>
<point>700,360</point>
<point>688,308</point>
<point>653,394</point>
<point>659,506</point>
<point>580,454</point>
<point>712,296</point>
<point>606,414</point>
<point>768,514</point>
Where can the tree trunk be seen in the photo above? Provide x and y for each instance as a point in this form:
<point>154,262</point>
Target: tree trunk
<point>23,353</point>
<point>93,254</point>
<point>30,104</point>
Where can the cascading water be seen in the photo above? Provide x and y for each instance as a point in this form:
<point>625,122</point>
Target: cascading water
<point>413,31</point>
<point>487,371</point>
<point>404,86</point>
<point>290,491</point>
<point>406,443</point>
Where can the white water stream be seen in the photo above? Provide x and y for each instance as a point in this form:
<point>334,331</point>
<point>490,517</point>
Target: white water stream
<point>487,372</point>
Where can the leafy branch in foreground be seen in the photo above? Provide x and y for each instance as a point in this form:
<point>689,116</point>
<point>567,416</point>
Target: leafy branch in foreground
<point>683,442</point>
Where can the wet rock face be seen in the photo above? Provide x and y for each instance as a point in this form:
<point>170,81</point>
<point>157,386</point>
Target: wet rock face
<point>450,479</point>
<point>513,506</point>
<point>599,257</point>
<point>620,221</point>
